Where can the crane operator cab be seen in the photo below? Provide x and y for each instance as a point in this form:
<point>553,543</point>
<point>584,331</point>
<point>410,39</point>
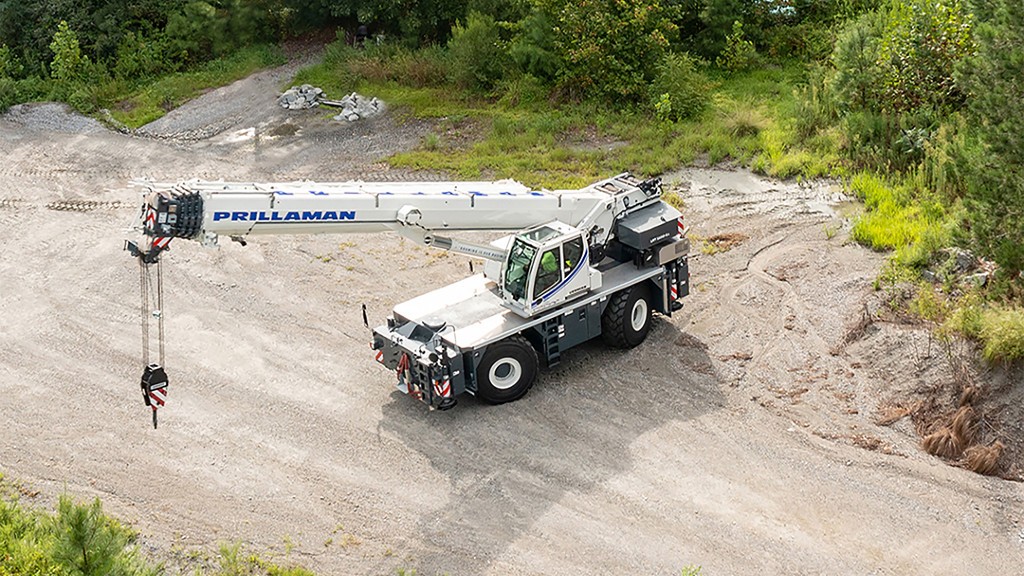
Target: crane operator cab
<point>546,266</point>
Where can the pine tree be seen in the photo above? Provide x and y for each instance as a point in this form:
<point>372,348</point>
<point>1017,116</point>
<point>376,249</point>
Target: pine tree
<point>996,80</point>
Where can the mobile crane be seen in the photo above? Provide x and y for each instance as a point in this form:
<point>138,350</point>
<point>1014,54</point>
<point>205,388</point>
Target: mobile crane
<point>584,263</point>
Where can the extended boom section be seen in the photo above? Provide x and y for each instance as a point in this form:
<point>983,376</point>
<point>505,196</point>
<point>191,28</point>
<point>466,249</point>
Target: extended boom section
<point>597,261</point>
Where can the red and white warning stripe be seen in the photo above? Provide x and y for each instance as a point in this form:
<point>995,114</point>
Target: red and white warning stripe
<point>380,356</point>
<point>674,291</point>
<point>443,388</point>
<point>158,397</point>
<point>150,218</point>
<point>680,227</point>
<point>161,242</point>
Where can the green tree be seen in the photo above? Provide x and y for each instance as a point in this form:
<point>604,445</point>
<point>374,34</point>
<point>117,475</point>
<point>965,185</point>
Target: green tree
<point>924,40</point>
<point>8,64</point>
<point>478,59</point>
<point>68,63</point>
<point>717,18</point>
<point>609,48</point>
<point>857,78</point>
<point>679,90</point>
<point>739,53</point>
<point>533,49</point>
<point>86,542</point>
<point>995,76</point>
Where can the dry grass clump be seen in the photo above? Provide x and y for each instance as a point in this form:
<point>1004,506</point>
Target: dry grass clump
<point>984,459</point>
<point>951,440</point>
<point>956,439</point>
<point>723,242</point>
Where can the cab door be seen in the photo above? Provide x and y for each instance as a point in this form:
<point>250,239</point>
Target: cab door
<point>561,273</point>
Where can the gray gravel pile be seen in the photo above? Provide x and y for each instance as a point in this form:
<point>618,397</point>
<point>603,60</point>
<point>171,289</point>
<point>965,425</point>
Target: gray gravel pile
<point>53,117</point>
<point>355,106</point>
<point>300,97</point>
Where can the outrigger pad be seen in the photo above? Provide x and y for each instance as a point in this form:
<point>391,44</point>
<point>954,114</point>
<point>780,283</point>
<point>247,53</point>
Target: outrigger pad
<point>153,378</point>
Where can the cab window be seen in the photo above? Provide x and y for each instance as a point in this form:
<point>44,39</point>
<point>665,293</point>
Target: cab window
<point>548,272</point>
<point>517,269</point>
<point>572,252</point>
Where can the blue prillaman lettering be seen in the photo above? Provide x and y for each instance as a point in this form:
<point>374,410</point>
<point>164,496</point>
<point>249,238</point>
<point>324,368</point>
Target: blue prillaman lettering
<point>275,216</point>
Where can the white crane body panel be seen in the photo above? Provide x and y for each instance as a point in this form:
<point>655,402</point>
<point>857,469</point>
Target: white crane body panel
<point>584,263</point>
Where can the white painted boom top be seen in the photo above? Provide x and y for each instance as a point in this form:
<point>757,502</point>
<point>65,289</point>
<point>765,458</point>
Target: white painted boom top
<point>240,209</point>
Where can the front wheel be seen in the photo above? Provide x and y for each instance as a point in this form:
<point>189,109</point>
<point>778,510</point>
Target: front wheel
<point>507,371</point>
<point>627,319</point>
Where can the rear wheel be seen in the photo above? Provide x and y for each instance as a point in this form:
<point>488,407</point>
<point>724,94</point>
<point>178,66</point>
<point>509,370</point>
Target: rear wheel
<point>627,319</point>
<point>508,370</point>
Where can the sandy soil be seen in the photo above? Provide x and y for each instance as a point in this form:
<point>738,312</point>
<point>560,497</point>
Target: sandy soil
<point>741,436</point>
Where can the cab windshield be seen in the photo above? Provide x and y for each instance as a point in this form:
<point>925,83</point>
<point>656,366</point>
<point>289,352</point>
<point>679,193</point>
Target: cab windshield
<point>518,269</point>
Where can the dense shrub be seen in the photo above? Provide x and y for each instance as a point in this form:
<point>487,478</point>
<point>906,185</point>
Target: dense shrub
<point>68,64</point>
<point>8,93</point>
<point>679,88</point>
<point>924,40</point>
<point>856,82</point>
<point>996,193</point>
<point>533,49</point>
<point>716,19</point>
<point>9,66</point>
<point>140,56</point>
<point>805,41</point>
<point>609,48</point>
<point>478,60</point>
<point>1002,332</point>
<point>79,539</point>
<point>739,53</point>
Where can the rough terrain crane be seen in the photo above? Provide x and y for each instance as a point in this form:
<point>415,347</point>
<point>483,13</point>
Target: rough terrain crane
<point>597,261</point>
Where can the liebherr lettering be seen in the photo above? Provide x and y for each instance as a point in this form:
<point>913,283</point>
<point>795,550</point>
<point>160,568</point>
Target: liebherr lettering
<point>275,216</point>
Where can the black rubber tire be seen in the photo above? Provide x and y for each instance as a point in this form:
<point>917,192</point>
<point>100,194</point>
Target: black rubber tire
<point>513,359</point>
<point>617,328</point>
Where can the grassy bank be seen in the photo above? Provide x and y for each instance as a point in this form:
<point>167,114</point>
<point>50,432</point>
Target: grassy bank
<point>517,132</point>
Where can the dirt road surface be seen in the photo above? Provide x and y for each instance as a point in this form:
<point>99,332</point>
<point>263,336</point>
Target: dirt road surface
<point>740,437</point>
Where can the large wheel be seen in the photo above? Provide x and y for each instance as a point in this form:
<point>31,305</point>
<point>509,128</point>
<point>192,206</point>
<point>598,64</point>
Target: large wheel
<point>507,371</point>
<point>627,319</point>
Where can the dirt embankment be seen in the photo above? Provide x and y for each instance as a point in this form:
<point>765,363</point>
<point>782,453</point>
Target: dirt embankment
<point>743,436</point>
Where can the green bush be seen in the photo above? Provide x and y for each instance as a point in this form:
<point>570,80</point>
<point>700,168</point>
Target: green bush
<point>923,43</point>
<point>815,108</point>
<point>533,49</point>
<point>8,94</point>
<point>78,540</point>
<point>139,56</point>
<point>68,64</point>
<point>679,88</point>
<point>524,91</point>
<point>739,53</point>
<point>805,41</point>
<point>609,49</point>
<point>478,60</point>
<point>1002,334</point>
<point>996,188</point>
<point>85,541</point>
<point>856,83</point>
<point>9,65</point>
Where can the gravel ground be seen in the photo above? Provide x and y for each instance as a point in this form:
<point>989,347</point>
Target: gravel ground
<point>741,436</point>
